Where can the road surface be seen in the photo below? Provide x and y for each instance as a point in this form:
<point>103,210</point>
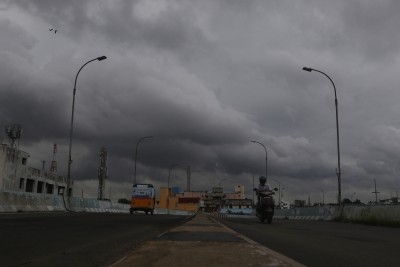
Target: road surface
<point>76,239</point>
<point>323,243</point>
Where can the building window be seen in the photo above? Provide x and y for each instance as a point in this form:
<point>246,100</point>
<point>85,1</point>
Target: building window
<point>39,188</point>
<point>29,185</point>
<point>24,160</point>
<point>49,188</point>
<point>21,183</point>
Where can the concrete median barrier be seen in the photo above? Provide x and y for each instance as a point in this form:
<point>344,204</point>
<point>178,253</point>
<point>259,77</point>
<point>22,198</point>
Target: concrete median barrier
<point>32,202</point>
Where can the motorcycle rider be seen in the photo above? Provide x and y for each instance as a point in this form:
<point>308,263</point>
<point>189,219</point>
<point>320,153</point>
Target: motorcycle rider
<point>262,187</point>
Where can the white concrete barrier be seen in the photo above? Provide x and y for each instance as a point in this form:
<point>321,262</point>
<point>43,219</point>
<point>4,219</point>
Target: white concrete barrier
<point>30,202</point>
<point>307,213</point>
<point>34,202</point>
<point>371,213</point>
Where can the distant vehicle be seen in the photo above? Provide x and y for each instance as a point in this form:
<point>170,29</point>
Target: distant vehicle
<point>143,198</point>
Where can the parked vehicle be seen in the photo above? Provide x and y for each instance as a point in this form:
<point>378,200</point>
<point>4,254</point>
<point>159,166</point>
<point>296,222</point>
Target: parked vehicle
<point>143,198</point>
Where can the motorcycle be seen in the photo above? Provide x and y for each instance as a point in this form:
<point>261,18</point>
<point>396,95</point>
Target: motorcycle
<point>265,206</point>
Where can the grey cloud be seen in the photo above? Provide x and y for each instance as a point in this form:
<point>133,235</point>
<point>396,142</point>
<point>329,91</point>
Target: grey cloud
<point>205,78</point>
<point>371,28</point>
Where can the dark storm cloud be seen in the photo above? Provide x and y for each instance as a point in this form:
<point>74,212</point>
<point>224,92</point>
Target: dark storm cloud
<point>371,27</point>
<point>204,78</point>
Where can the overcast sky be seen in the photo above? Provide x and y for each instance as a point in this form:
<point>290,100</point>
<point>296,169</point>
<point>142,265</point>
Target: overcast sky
<point>205,78</point>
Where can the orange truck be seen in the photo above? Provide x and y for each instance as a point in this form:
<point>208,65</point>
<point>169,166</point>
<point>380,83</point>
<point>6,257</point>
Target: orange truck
<point>143,198</point>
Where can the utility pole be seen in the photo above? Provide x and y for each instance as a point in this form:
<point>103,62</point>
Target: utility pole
<point>376,193</point>
<point>188,172</point>
<point>102,173</point>
<point>253,189</point>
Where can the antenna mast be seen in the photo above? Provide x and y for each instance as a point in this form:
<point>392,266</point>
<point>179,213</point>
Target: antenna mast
<point>376,193</point>
<point>13,132</point>
<point>53,167</point>
<point>188,172</point>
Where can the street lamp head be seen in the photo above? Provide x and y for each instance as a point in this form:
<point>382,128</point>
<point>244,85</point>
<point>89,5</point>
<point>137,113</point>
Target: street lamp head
<point>307,69</point>
<point>101,58</point>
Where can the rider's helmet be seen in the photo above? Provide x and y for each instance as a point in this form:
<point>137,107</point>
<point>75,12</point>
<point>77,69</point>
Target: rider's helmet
<point>262,180</point>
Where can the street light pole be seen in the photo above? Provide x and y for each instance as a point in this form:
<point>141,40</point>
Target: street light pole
<point>136,150</point>
<point>72,122</point>
<point>169,173</point>
<point>253,189</point>
<point>266,157</point>
<point>338,173</point>
<point>323,196</point>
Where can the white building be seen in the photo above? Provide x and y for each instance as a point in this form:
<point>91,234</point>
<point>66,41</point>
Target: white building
<point>17,176</point>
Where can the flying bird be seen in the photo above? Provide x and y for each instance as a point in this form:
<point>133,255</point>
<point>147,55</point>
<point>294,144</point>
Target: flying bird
<point>55,31</point>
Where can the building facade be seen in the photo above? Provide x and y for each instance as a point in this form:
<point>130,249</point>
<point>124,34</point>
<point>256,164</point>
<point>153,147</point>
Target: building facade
<point>208,201</point>
<point>17,176</point>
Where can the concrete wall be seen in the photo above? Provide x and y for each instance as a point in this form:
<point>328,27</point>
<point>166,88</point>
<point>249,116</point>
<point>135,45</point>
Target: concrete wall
<point>78,204</point>
<point>307,213</point>
<point>372,213</point>
<point>32,202</point>
<point>388,213</point>
<point>20,201</point>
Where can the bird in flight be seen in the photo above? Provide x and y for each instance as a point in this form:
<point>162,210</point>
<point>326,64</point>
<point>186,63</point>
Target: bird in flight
<point>55,31</point>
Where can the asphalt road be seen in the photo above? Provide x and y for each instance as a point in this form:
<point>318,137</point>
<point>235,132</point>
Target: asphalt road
<point>76,239</point>
<point>322,243</point>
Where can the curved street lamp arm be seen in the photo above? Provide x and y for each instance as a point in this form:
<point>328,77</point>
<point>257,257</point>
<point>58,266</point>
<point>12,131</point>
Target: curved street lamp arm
<point>326,75</point>
<point>76,78</point>
<point>253,141</point>
<point>266,156</point>
<point>136,150</point>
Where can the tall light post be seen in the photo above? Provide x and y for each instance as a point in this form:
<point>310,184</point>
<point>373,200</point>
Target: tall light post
<point>337,134</point>
<point>169,172</point>
<point>323,196</point>
<point>72,122</point>
<point>266,157</point>
<point>136,150</point>
<point>253,190</point>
